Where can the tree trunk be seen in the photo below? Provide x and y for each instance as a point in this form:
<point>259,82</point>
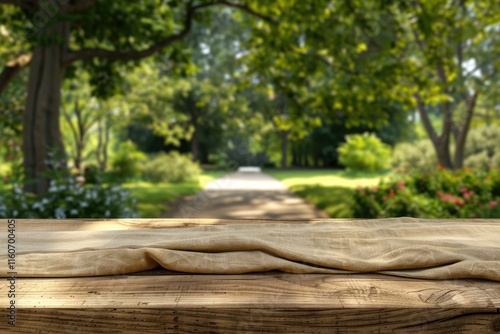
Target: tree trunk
<point>441,143</point>
<point>461,134</point>
<point>284,148</point>
<point>41,130</point>
<point>442,147</point>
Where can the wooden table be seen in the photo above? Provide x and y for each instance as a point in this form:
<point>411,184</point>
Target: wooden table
<point>159,301</point>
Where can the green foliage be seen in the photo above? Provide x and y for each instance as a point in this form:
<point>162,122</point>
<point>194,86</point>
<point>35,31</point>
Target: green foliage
<point>67,198</point>
<point>126,163</point>
<point>444,194</point>
<point>364,152</point>
<point>91,173</point>
<point>171,167</point>
<point>418,156</point>
<point>154,199</point>
<point>483,147</point>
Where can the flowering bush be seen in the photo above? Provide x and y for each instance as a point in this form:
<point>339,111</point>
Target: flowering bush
<point>68,197</point>
<point>443,194</point>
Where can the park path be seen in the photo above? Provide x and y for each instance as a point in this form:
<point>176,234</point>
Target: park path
<point>245,195</point>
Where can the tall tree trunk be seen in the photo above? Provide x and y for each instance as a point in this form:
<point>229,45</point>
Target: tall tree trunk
<point>284,148</point>
<point>41,130</point>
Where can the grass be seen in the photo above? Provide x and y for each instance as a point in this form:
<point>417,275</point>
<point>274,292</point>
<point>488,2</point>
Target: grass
<point>153,199</point>
<point>329,190</point>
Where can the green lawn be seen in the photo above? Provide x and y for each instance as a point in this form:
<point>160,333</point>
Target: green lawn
<point>153,199</point>
<point>329,190</point>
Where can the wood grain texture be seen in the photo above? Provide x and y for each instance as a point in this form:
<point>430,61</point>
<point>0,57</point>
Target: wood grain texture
<point>256,321</point>
<point>263,291</point>
<point>159,301</point>
<point>32,225</point>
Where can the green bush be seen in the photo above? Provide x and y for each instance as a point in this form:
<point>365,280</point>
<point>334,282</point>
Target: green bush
<point>127,161</point>
<point>419,156</point>
<point>67,198</point>
<point>483,147</point>
<point>364,152</point>
<point>444,194</point>
<point>172,167</point>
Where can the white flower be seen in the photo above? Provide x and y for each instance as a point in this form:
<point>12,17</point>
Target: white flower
<point>69,198</point>
<point>73,212</point>
<point>45,201</point>
<point>60,213</point>
<point>84,204</point>
<point>14,213</point>
<point>107,213</point>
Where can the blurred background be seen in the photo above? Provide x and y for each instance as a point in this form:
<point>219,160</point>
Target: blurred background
<point>363,109</point>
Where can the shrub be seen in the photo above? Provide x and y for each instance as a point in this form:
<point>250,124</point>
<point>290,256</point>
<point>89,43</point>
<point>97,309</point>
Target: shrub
<point>172,167</point>
<point>66,198</point>
<point>91,174</point>
<point>483,147</point>
<point>444,194</point>
<point>364,152</point>
<point>419,156</point>
<point>126,163</point>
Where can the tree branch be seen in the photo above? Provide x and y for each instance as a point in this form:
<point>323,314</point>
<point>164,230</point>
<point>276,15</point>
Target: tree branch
<point>12,69</point>
<point>246,9</point>
<point>425,118</point>
<point>83,54</point>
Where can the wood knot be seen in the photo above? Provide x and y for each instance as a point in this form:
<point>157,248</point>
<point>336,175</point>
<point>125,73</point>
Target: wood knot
<point>495,325</point>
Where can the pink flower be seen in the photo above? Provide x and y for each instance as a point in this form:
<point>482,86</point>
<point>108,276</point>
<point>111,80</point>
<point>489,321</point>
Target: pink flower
<point>492,204</point>
<point>466,195</point>
<point>401,185</point>
<point>447,197</point>
<point>463,189</point>
<point>375,189</point>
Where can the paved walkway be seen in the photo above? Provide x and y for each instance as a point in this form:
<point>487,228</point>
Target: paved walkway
<point>246,196</point>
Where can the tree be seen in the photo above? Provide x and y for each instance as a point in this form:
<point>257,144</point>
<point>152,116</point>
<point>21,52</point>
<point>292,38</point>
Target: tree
<point>100,34</point>
<point>435,56</point>
<point>447,48</point>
